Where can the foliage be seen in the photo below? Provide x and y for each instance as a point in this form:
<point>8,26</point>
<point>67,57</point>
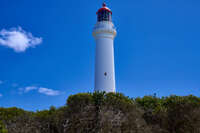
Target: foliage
<point>175,114</point>
<point>2,128</point>
<point>108,112</point>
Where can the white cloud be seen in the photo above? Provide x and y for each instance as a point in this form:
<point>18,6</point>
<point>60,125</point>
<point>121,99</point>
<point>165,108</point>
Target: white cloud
<point>48,92</point>
<point>30,88</point>
<point>18,39</point>
<point>42,90</point>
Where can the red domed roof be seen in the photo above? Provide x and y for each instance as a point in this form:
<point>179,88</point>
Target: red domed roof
<point>104,7</point>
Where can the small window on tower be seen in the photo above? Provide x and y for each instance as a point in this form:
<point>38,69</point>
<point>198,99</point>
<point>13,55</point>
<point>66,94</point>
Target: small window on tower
<point>105,74</point>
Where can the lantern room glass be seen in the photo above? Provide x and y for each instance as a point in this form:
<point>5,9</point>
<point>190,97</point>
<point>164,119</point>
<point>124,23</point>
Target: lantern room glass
<point>104,15</point>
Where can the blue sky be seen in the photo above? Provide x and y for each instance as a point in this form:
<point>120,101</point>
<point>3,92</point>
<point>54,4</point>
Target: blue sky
<point>49,51</point>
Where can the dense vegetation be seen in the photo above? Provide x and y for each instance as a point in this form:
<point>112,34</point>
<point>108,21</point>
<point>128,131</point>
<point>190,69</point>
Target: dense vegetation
<point>108,113</point>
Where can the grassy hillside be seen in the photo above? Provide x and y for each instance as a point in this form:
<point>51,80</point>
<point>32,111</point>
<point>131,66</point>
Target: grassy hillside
<point>108,113</point>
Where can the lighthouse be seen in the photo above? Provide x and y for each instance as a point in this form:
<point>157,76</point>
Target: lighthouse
<point>104,33</point>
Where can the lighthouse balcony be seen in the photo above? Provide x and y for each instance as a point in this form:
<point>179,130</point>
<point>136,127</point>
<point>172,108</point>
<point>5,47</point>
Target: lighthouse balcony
<point>104,27</point>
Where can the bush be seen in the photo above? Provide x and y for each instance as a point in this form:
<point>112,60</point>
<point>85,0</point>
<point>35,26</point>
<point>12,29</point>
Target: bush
<point>108,112</point>
<point>2,128</point>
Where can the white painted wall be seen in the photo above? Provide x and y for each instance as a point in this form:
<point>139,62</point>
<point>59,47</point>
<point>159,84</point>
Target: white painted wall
<point>104,33</point>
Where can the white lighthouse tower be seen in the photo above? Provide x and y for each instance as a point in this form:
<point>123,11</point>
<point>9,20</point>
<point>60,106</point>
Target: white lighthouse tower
<point>104,34</point>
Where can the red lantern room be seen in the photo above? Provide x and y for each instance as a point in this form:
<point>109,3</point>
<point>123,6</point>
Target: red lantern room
<point>104,14</point>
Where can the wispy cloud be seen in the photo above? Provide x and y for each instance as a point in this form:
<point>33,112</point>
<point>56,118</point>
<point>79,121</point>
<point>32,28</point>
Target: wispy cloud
<point>48,92</point>
<point>1,95</point>
<point>42,90</point>
<point>18,39</point>
<point>30,88</point>
<point>1,82</point>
